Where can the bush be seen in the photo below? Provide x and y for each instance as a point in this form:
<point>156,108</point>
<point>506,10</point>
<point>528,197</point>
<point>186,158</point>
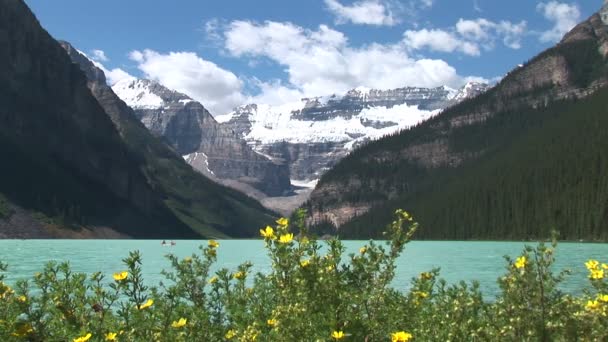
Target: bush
<point>308,295</point>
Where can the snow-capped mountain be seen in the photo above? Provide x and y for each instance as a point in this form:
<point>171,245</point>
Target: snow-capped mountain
<point>211,148</point>
<point>314,133</point>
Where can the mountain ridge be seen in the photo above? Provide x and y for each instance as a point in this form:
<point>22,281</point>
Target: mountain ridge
<point>396,170</point>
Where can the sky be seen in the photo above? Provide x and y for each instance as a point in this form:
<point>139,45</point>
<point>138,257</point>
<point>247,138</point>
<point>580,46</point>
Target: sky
<point>232,52</point>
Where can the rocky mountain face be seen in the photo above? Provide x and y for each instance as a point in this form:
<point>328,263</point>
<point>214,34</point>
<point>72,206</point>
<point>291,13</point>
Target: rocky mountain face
<point>211,148</point>
<point>313,134</point>
<point>418,166</point>
<point>73,168</point>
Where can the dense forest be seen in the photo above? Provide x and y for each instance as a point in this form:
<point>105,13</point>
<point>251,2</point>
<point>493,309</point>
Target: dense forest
<point>533,164</point>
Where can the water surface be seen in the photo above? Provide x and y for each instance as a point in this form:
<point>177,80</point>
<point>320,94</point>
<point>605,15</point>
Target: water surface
<point>458,260</point>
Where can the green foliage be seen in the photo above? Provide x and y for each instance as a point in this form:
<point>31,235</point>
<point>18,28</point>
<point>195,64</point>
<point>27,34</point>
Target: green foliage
<point>310,294</point>
<point>541,169</point>
<point>533,165</point>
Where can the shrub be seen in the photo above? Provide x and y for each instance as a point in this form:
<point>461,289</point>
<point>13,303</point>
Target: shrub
<point>311,293</point>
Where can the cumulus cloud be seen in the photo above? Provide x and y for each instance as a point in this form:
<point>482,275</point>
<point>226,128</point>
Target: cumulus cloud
<point>564,17</point>
<point>320,62</point>
<point>439,40</point>
<point>112,75</point>
<point>218,89</point>
<point>367,12</point>
<point>99,55</point>
<point>484,32</point>
<point>467,36</point>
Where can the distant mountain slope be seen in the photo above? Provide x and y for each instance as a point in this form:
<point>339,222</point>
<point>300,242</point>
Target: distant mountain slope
<point>526,155</point>
<point>69,164</point>
<point>209,147</point>
<point>313,134</point>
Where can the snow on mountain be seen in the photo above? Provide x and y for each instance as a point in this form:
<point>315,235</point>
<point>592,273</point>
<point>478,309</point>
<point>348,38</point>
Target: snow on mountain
<point>137,94</point>
<point>314,133</point>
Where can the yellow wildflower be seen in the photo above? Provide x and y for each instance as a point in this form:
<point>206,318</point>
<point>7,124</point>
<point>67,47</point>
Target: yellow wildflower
<point>180,323</point>
<point>121,275</point>
<point>286,238</point>
<point>337,335</point>
<point>401,336</point>
<point>213,244</point>
<point>272,322</point>
<point>592,305</point>
<point>188,259</point>
<point>426,276</point>
<point>421,294</point>
<point>283,222</point>
<point>267,233</point>
<point>239,275</point>
<point>605,266</point>
<point>597,274</point>
<point>213,280</point>
<point>230,334</point>
<point>83,338</point>
<point>362,250</point>
<point>592,264</point>
<point>22,299</point>
<point>520,262</point>
<point>111,336</point>
<point>603,297</point>
<point>305,263</point>
<point>146,305</point>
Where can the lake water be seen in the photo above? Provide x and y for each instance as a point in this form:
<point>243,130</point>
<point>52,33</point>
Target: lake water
<point>481,261</point>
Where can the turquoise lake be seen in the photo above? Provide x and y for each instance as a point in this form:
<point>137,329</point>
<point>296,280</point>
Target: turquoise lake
<point>468,261</point>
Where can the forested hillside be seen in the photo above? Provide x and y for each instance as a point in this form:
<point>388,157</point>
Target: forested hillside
<point>523,158</point>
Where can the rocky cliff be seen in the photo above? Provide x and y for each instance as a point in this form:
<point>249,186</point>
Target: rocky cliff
<point>73,167</point>
<point>209,147</point>
<point>403,168</point>
<point>313,134</point>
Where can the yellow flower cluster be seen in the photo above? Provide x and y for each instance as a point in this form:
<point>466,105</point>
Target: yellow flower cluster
<point>230,334</point>
<point>146,305</point>
<point>83,338</point>
<point>268,233</point>
<point>111,336</point>
<point>213,244</point>
<point>286,238</point>
<point>521,262</point>
<point>120,276</point>
<point>5,291</point>
<point>337,335</point>
<point>213,280</point>
<point>401,336</point>
<point>239,275</point>
<point>179,323</point>
<point>595,271</point>
<point>272,322</point>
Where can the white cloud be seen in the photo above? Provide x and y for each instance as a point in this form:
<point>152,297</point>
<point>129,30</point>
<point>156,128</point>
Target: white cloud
<point>427,3</point>
<point>321,62</point>
<point>368,12</point>
<point>439,40</point>
<point>484,32</point>
<point>564,17</point>
<point>467,36</point>
<point>99,55</point>
<point>115,75</point>
<point>217,89</point>
<point>112,75</point>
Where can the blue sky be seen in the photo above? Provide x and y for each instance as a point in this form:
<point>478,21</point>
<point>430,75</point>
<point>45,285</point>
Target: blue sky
<point>226,53</point>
